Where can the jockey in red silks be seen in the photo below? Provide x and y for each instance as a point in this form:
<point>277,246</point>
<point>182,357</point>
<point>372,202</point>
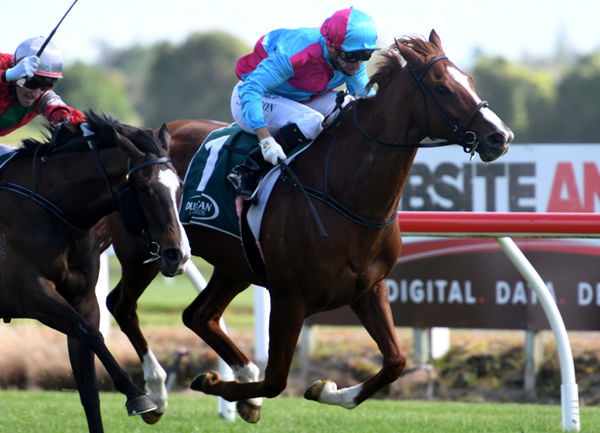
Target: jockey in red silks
<point>25,88</point>
<point>287,86</point>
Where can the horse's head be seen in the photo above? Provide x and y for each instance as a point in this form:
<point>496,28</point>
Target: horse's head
<point>452,109</point>
<point>149,196</point>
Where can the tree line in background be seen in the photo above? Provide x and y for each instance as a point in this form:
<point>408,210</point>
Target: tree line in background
<point>543,100</point>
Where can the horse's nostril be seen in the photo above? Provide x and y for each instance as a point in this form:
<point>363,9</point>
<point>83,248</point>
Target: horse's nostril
<point>496,139</point>
<point>173,255</point>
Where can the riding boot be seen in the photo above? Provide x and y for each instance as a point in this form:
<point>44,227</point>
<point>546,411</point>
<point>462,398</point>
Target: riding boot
<point>290,136</point>
<point>245,176</point>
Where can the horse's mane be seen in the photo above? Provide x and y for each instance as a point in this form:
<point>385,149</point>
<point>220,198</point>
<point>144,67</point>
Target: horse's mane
<point>104,126</point>
<point>391,62</point>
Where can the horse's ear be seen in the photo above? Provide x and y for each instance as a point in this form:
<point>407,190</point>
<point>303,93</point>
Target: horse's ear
<point>164,136</point>
<point>412,59</point>
<point>435,39</point>
<point>127,146</point>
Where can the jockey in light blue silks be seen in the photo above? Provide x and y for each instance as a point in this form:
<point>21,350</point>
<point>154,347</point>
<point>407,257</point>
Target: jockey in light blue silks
<point>287,86</point>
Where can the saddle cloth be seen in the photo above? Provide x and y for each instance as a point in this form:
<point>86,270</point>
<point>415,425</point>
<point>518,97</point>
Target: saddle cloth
<point>208,197</point>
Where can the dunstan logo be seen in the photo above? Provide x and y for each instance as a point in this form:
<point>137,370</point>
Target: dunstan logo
<point>202,207</point>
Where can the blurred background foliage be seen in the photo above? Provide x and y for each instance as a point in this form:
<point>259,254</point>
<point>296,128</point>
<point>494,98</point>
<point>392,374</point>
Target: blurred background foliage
<point>542,100</point>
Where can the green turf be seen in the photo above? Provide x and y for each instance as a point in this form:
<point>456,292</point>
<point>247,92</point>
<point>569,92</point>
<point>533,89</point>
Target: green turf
<point>61,412</point>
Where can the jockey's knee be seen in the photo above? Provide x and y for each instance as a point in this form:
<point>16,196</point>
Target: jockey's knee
<point>309,123</point>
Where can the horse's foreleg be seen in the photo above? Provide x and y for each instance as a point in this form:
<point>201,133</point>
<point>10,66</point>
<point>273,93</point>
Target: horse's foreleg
<point>122,303</point>
<point>284,329</point>
<point>203,316</point>
<point>204,313</point>
<point>375,313</point>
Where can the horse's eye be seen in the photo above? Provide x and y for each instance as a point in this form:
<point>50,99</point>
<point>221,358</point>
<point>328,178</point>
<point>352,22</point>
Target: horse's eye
<point>442,90</point>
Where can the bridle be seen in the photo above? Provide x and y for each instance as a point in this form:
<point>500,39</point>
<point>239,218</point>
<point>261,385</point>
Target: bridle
<point>468,139</point>
<point>127,204</point>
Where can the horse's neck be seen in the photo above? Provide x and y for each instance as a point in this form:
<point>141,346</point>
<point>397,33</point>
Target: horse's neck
<point>83,194</point>
<point>368,172</point>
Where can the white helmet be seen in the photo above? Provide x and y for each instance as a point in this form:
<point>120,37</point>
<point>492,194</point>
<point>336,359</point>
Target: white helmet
<point>51,62</point>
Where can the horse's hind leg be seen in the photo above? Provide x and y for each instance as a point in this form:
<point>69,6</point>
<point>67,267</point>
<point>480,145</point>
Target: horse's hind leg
<point>84,372</point>
<point>375,314</point>
<point>47,306</point>
<point>285,323</point>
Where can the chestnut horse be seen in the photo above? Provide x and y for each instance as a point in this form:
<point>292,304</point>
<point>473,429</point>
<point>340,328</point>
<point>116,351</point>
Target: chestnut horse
<point>54,193</point>
<point>360,165</point>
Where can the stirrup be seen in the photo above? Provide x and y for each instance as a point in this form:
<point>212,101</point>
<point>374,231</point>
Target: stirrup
<point>236,178</point>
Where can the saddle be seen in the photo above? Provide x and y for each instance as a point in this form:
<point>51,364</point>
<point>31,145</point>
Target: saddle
<point>210,200</point>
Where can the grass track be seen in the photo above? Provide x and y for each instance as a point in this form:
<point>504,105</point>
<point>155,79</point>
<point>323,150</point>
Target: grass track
<point>61,412</point>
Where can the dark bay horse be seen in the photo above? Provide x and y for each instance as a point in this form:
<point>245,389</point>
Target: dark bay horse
<point>362,163</point>
<point>54,193</point>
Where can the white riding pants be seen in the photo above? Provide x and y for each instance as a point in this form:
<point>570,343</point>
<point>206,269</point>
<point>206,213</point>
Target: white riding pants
<point>280,111</point>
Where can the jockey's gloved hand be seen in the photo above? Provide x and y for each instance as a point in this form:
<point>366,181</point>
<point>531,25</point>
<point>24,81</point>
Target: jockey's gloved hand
<point>271,150</point>
<point>24,69</point>
<point>347,99</point>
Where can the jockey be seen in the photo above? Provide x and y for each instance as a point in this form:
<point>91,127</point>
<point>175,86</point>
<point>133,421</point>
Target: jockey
<point>287,84</point>
<point>25,88</point>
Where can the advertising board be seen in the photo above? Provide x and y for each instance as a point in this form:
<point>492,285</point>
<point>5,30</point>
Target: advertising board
<point>469,283</point>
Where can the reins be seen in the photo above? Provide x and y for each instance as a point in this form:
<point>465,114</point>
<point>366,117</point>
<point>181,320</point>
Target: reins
<point>124,188</point>
<point>467,139</point>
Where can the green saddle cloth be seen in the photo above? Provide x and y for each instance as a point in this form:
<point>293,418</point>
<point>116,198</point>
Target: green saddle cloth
<point>208,197</point>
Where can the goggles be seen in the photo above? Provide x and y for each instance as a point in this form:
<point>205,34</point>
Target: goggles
<point>38,83</point>
<point>355,56</point>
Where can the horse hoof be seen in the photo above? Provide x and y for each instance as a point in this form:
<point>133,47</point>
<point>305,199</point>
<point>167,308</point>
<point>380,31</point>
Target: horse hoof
<point>152,417</point>
<point>139,405</point>
<point>248,411</point>
<point>202,380</point>
<point>314,391</point>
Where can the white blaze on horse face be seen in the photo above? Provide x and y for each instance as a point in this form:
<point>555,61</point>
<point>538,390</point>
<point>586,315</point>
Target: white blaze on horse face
<point>169,179</point>
<point>463,80</point>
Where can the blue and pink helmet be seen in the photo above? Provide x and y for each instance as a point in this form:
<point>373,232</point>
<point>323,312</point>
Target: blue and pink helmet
<point>350,30</point>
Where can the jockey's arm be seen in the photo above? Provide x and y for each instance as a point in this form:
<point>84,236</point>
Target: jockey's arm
<point>53,108</point>
<point>269,74</point>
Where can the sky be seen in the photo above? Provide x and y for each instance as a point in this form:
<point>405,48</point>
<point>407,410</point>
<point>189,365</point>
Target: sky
<point>508,28</point>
